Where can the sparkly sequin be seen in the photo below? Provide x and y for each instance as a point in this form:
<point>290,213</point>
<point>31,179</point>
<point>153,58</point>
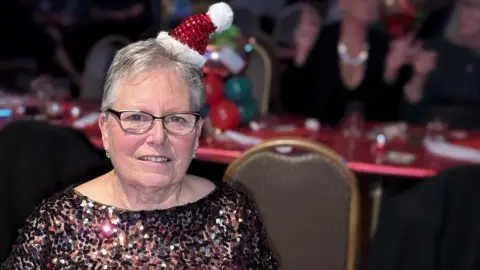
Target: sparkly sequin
<point>194,32</point>
<point>69,231</point>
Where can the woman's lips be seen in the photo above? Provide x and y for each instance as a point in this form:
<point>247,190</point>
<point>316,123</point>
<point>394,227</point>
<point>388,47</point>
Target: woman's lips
<point>155,158</point>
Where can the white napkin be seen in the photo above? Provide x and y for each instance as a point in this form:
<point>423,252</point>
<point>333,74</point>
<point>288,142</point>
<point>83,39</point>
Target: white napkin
<point>241,138</point>
<point>87,120</point>
<point>447,150</point>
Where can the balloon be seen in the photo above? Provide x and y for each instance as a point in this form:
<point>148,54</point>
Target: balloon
<point>213,88</point>
<point>224,115</point>
<point>237,89</point>
<point>204,110</point>
<point>248,110</point>
<point>400,25</point>
<point>402,17</point>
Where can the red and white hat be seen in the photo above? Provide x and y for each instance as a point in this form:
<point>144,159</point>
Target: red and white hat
<point>190,39</point>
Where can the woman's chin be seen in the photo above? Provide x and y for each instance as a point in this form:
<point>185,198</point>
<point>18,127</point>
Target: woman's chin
<point>154,180</point>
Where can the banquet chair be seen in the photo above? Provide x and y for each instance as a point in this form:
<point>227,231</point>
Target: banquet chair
<point>97,63</point>
<point>263,72</point>
<point>38,160</point>
<point>308,199</point>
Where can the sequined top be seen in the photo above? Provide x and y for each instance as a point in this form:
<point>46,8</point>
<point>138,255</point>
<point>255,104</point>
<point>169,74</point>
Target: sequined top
<point>70,231</point>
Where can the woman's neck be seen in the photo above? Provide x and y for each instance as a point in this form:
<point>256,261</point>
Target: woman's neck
<point>354,35</point>
<point>135,198</point>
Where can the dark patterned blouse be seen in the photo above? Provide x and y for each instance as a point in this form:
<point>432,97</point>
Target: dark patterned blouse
<point>70,231</point>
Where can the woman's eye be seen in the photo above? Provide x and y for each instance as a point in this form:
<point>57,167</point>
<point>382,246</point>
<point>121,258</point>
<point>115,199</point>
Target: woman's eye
<point>137,117</point>
<point>176,119</point>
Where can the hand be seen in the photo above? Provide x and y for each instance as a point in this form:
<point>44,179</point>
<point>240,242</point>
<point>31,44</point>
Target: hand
<point>413,89</point>
<point>424,62</point>
<point>399,55</point>
<point>306,33</point>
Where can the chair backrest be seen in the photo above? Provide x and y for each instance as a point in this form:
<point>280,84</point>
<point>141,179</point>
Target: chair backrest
<point>308,199</point>
<point>259,73</point>
<point>263,71</point>
<point>97,63</point>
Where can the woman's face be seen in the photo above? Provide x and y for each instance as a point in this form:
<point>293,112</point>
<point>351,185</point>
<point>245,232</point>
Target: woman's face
<point>365,11</point>
<point>158,93</point>
<point>469,18</point>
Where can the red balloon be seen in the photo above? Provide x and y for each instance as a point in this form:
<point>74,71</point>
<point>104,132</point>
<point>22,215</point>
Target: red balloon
<point>399,25</point>
<point>213,88</point>
<point>224,115</point>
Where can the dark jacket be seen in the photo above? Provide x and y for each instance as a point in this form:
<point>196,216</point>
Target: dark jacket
<point>36,161</point>
<point>433,226</point>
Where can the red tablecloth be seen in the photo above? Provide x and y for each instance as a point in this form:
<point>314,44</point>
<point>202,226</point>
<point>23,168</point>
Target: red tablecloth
<point>358,153</point>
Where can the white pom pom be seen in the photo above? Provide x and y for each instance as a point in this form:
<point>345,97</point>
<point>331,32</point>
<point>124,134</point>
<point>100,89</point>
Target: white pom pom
<point>221,15</point>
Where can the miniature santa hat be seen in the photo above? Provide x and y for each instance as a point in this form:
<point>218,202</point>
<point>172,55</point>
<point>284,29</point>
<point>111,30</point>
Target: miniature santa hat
<point>189,40</point>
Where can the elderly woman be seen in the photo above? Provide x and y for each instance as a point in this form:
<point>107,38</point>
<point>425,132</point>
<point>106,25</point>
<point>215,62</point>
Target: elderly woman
<point>147,213</point>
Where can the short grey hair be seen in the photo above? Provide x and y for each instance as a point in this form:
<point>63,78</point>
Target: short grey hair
<point>147,55</point>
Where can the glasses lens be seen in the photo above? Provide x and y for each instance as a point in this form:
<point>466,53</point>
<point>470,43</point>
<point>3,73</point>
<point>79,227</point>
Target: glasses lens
<point>180,123</point>
<point>136,122</point>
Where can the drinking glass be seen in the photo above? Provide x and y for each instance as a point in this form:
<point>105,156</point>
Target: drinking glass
<point>353,123</point>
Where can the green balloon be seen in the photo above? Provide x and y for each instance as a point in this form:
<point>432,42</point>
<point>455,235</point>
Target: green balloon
<point>248,111</point>
<point>237,89</point>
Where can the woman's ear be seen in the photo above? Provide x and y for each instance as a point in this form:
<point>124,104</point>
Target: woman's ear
<point>198,131</point>
<point>103,125</point>
<point>199,127</point>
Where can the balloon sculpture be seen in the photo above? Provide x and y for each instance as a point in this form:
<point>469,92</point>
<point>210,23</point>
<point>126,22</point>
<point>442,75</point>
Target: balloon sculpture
<point>229,100</point>
<point>224,115</point>
<point>402,18</point>
<point>237,89</point>
<point>213,88</point>
<point>234,106</point>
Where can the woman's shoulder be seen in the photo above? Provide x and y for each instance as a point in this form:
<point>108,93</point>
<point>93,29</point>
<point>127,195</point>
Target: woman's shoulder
<point>235,195</point>
<point>60,203</point>
<point>221,193</point>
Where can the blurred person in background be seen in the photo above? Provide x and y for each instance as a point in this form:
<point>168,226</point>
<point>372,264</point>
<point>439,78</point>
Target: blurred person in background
<point>265,10</point>
<point>179,10</point>
<point>23,38</point>
<point>449,75</point>
<point>132,13</point>
<point>344,62</point>
<point>127,18</point>
<point>333,14</point>
<point>60,14</point>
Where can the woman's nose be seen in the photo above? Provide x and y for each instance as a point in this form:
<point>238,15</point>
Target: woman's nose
<point>158,133</point>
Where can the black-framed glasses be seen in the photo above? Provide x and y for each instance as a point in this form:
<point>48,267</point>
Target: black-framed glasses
<point>138,122</point>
